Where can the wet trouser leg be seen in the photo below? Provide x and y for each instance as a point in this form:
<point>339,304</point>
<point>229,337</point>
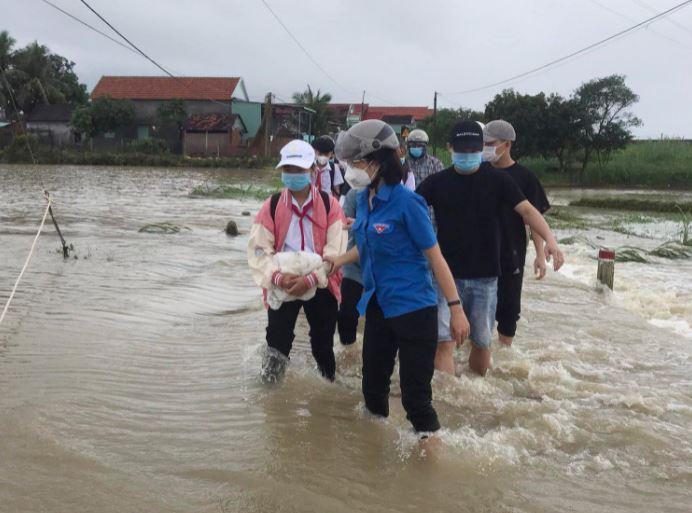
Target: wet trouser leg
<point>417,336</point>
<point>351,291</point>
<point>281,324</point>
<point>321,312</point>
<point>379,356</point>
<point>508,311</point>
<point>414,335</point>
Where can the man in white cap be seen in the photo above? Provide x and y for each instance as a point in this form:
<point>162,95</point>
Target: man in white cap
<point>498,137</point>
<point>301,218</point>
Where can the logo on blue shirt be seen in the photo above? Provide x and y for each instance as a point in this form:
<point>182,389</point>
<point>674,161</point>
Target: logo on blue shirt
<point>381,228</point>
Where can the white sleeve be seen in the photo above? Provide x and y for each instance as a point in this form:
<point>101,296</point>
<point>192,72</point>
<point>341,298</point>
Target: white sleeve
<point>410,182</point>
<point>338,177</point>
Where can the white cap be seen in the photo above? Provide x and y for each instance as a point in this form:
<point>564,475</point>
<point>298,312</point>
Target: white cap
<point>297,153</point>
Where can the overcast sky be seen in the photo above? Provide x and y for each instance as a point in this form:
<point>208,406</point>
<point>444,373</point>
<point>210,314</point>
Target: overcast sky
<point>399,51</point>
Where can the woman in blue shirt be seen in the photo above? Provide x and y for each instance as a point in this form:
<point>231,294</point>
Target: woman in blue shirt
<point>396,244</point>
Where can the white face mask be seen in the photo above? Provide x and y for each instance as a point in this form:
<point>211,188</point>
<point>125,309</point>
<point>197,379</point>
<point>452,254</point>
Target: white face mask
<point>357,178</point>
<point>490,154</point>
<point>322,160</point>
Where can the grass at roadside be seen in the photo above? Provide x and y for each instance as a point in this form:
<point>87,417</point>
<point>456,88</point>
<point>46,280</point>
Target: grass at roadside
<point>233,192</point>
<point>661,164</point>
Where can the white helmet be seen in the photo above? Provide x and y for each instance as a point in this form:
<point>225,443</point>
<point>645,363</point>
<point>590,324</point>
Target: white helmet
<point>418,135</point>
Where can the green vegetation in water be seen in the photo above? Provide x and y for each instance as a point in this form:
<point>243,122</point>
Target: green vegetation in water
<point>561,218</point>
<point>233,192</point>
<point>638,204</point>
<point>164,227</point>
<point>631,254</point>
<point>137,153</point>
<point>672,250</point>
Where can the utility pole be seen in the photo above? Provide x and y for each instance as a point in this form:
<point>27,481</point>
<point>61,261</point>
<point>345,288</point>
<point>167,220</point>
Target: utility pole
<point>434,130</point>
<point>267,123</point>
<point>362,106</point>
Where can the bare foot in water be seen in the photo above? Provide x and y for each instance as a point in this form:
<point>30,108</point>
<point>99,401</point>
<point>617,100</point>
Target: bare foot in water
<point>430,446</point>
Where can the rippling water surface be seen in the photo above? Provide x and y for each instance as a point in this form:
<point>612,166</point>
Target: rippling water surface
<point>128,377</point>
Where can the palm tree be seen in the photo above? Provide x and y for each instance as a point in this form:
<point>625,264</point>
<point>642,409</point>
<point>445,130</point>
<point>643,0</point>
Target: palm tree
<point>6,47</point>
<point>33,79</point>
<point>320,104</point>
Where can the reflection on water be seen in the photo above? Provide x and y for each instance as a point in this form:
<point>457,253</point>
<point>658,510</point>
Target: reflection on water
<point>129,378</point>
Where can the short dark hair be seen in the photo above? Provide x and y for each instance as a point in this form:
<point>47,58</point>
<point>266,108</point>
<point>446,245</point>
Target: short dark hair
<point>391,170</point>
<point>323,144</point>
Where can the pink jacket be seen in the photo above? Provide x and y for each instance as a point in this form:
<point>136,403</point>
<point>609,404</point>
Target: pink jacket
<point>267,237</point>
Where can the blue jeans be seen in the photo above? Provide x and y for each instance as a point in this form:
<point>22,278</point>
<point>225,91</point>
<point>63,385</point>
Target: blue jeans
<point>479,299</point>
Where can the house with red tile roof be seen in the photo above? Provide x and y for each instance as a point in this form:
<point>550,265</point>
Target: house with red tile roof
<point>209,97</point>
<point>400,118</point>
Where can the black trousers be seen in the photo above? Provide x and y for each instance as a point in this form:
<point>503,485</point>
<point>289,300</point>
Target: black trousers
<point>414,336</point>
<point>509,302</point>
<point>347,323</point>
<point>321,313</point>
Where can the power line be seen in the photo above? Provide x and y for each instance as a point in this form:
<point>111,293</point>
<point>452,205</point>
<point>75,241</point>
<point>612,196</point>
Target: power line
<point>578,52</point>
<point>305,51</point>
<point>629,18</point>
<point>672,22</point>
<point>140,52</point>
<point>89,26</point>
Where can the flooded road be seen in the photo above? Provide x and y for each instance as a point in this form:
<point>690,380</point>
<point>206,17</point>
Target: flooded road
<point>129,376</point>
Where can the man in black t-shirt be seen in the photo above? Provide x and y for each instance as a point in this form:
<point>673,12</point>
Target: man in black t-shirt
<point>467,199</point>
<point>499,135</point>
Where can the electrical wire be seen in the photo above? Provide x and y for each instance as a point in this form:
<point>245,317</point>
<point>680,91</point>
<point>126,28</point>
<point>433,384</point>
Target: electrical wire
<point>51,4</point>
<point>578,52</point>
<point>672,22</point>
<point>303,49</point>
<point>143,54</point>
<point>631,19</point>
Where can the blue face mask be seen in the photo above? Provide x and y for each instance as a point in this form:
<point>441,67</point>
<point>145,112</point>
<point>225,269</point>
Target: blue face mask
<point>416,152</point>
<point>295,181</point>
<point>467,163</point>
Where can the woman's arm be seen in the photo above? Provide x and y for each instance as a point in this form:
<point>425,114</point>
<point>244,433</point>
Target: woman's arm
<point>458,322</point>
<point>350,257</point>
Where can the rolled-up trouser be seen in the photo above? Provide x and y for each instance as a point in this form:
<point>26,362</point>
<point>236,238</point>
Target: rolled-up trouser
<point>321,313</point>
<point>509,302</point>
<point>414,337</point>
<point>347,323</point>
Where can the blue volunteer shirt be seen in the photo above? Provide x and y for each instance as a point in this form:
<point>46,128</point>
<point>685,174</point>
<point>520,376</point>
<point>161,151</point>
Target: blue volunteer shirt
<point>391,239</point>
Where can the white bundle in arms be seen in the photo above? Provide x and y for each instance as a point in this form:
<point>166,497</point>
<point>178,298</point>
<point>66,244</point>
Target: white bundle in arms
<point>300,263</point>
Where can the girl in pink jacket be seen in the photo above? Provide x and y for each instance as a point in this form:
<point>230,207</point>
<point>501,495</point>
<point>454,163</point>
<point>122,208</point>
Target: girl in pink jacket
<point>299,218</point>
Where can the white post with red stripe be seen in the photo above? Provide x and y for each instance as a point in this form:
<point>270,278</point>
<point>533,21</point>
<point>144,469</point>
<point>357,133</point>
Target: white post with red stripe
<point>606,267</point>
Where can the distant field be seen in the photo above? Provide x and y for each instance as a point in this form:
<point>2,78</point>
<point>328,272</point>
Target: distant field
<point>661,164</point>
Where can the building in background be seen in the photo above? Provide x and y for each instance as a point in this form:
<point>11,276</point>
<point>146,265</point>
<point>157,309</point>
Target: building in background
<point>51,124</point>
<point>214,135</point>
<point>200,96</point>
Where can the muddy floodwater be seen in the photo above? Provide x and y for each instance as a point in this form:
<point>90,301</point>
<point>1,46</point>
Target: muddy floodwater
<point>129,375</point>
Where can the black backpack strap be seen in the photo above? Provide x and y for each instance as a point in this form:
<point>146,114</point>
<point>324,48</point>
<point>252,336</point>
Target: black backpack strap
<point>273,203</point>
<point>326,199</point>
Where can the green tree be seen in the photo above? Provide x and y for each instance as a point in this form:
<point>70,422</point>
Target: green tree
<point>81,121</point>
<point>172,114</point>
<point>103,115</point>
<point>560,133</point>
<point>438,129</point>
<point>6,50</point>
<point>320,104</point>
<point>36,76</point>
<point>527,113</point>
<point>605,119</point>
